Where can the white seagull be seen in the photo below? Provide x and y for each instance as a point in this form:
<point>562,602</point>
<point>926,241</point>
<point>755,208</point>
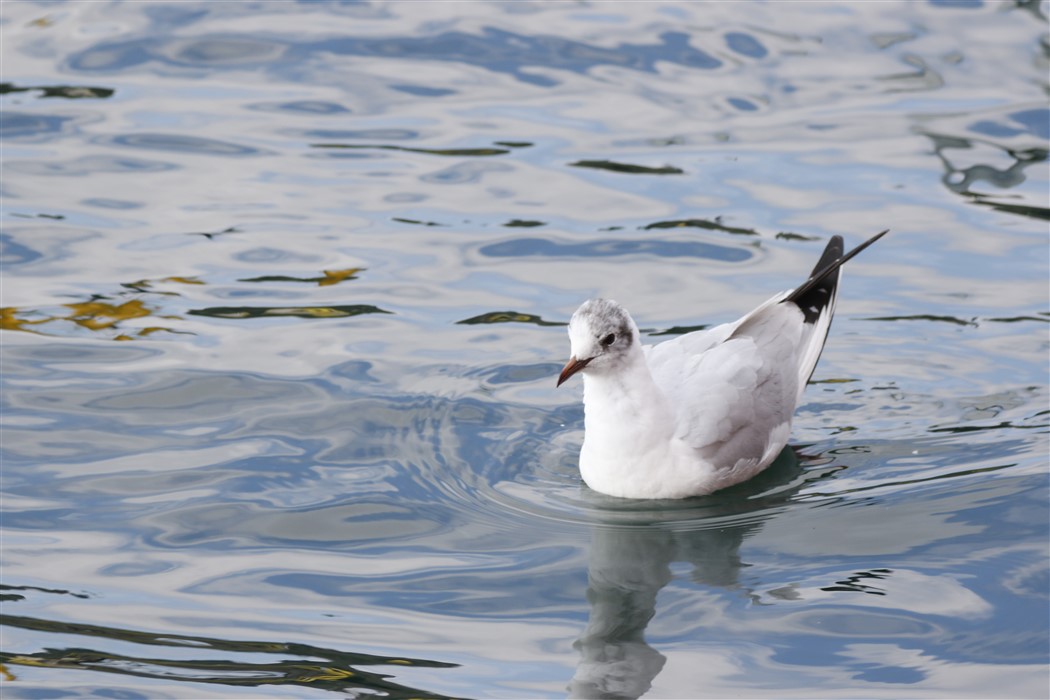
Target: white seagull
<point>707,409</point>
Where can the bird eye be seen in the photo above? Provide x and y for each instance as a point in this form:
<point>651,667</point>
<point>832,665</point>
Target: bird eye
<point>608,340</point>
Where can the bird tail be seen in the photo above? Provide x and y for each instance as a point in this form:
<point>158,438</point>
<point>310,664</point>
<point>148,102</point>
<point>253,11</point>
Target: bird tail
<point>816,299</point>
<point>813,294</point>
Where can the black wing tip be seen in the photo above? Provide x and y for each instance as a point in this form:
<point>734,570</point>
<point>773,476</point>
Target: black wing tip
<point>816,293</point>
<point>865,244</point>
<point>832,252</point>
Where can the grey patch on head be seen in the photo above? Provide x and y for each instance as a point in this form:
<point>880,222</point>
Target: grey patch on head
<point>606,316</point>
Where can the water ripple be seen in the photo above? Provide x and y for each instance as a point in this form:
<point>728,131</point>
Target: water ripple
<point>179,143</point>
<point>282,283</point>
<point>493,49</point>
<point>613,247</point>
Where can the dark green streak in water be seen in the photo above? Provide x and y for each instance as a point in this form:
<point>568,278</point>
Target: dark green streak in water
<point>507,317</point>
<point>711,225</point>
<point>69,92</point>
<point>627,167</point>
<point>924,317</point>
<point>239,312</point>
<point>338,671</point>
<point>429,151</point>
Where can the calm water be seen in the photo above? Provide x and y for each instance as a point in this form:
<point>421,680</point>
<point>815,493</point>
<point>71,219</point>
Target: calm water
<point>284,286</point>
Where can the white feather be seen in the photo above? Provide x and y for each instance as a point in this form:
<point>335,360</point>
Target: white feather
<point>705,410</point>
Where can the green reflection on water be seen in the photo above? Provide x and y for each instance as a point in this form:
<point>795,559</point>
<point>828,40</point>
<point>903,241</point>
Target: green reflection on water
<point>339,670</point>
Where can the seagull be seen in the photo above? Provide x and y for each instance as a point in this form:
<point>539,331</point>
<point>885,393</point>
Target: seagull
<point>707,409</point>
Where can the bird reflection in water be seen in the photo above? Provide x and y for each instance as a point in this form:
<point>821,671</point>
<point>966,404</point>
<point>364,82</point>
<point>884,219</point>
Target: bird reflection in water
<point>629,561</point>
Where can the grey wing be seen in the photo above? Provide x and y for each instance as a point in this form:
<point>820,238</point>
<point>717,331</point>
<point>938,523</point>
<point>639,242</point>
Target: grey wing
<point>735,398</point>
<point>673,353</point>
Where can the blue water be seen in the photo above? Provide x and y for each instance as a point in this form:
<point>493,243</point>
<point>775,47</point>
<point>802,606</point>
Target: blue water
<point>284,287</point>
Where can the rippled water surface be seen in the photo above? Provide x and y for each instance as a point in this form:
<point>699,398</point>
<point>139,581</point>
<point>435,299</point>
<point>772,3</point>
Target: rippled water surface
<point>284,287</point>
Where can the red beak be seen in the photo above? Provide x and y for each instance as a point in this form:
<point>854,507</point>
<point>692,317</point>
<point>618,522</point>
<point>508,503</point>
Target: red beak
<point>572,367</point>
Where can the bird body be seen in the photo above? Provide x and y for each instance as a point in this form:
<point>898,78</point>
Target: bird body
<point>707,409</point>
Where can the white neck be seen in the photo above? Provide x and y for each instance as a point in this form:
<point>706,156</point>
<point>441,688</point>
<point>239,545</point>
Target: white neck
<point>625,413</point>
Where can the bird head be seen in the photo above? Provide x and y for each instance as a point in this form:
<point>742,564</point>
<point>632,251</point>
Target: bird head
<point>601,336</point>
